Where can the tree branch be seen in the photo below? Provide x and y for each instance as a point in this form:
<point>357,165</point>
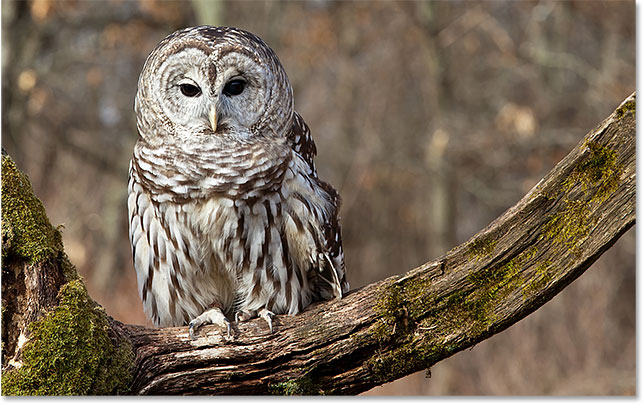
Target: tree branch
<point>406,323</point>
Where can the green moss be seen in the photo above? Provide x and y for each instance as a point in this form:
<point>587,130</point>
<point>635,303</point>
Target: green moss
<point>499,276</point>
<point>494,284</point>
<point>482,247</point>
<point>71,352</point>
<point>300,386</point>
<point>69,270</point>
<point>570,225</point>
<point>543,275</point>
<point>599,172</point>
<point>408,314</point>
<point>400,306</point>
<point>598,175</point>
<point>412,354</point>
<point>406,308</point>
<point>26,230</point>
<point>628,107</point>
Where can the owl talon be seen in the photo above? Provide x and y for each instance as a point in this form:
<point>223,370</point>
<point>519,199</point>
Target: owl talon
<point>268,317</point>
<point>229,334</point>
<point>241,316</point>
<point>191,330</point>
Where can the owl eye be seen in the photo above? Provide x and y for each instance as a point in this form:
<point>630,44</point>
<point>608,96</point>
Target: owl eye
<point>234,87</point>
<point>189,90</point>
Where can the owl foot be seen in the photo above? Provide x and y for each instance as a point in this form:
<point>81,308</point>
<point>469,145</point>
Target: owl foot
<point>214,316</point>
<point>241,316</point>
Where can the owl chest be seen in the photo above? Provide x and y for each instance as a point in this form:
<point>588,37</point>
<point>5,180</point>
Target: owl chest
<point>264,247</point>
<point>236,235</point>
<point>212,252</point>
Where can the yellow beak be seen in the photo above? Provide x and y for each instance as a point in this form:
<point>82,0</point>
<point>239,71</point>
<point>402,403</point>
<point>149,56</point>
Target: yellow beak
<point>212,116</point>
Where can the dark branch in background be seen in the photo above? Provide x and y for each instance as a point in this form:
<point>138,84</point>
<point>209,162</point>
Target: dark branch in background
<point>376,334</point>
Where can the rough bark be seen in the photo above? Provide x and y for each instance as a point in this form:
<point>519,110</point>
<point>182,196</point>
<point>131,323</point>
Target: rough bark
<point>406,323</point>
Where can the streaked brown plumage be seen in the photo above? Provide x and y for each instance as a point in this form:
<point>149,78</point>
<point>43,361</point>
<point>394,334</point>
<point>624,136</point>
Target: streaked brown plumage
<point>227,215</point>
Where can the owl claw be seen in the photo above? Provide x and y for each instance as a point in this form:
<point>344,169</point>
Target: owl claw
<point>229,333</point>
<point>268,317</point>
<point>214,316</point>
<point>241,316</point>
<point>191,329</point>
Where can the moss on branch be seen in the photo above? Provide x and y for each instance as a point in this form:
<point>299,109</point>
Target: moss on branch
<point>26,230</point>
<point>71,352</point>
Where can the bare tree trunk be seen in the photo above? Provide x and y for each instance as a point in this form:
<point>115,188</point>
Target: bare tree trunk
<point>374,335</point>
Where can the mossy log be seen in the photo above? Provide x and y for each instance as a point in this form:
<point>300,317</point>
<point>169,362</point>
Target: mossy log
<point>374,335</point>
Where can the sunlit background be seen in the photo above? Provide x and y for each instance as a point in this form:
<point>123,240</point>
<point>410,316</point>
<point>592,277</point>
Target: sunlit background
<point>431,119</point>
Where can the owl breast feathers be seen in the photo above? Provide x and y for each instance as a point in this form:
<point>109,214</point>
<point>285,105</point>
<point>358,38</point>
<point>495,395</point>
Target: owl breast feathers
<point>227,215</point>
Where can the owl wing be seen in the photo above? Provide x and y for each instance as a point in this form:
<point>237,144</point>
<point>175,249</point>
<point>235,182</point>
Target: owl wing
<point>302,142</point>
<point>333,272</point>
<point>331,265</point>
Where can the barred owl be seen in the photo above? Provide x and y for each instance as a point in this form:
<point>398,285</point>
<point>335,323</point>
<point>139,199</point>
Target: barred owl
<point>227,216</point>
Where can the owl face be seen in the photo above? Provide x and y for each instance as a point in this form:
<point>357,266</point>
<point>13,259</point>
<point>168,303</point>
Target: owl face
<point>208,81</point>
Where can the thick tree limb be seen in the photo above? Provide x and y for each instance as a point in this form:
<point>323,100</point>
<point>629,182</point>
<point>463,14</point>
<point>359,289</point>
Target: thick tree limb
<point>406,323</point>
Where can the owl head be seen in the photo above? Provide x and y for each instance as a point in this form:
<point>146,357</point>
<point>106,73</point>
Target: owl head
<point>205,81</point>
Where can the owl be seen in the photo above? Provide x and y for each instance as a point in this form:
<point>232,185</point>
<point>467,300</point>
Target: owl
<point>228,219</point>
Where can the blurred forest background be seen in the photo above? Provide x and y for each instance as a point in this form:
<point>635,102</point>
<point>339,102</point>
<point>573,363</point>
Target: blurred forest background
<point>431,119</point>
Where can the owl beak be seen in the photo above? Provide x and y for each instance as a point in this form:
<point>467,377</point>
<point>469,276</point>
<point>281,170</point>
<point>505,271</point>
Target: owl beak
<point>212,116</point>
